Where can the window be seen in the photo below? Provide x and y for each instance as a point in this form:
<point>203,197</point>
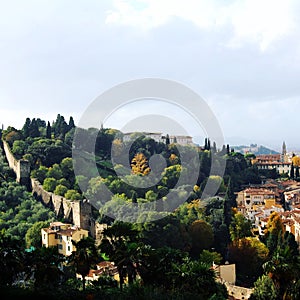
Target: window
<point>44,236</point>
<point>69,248</point>
<point>60,246</point>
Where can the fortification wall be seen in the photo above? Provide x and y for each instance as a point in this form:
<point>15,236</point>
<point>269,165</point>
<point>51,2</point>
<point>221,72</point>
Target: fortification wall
<point>76,212</point>
<point>12,162</point>
<point>21,167</point>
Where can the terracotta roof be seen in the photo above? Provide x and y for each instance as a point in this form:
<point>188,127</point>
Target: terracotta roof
<point>66,232</point>
<point>94,272</point>
<point>106,264</point>
<point>58,224</point>
<point>273,163</point>
<point>259,191</point>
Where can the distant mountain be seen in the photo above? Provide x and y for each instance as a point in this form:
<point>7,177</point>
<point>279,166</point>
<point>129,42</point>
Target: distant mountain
<point>255,149</point>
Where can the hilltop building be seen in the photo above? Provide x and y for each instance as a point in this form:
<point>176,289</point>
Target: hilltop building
<point>160,138</point>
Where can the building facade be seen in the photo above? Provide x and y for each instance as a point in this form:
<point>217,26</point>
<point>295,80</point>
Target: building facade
<point>61,235</point>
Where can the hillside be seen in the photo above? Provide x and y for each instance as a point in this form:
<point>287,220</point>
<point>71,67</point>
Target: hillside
<point>254,149</point>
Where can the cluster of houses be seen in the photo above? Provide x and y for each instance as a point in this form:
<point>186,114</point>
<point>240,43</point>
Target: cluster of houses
<point>258,202</point>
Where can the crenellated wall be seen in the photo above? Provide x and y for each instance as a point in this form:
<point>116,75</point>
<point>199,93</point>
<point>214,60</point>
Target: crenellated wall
<point>74,211</point>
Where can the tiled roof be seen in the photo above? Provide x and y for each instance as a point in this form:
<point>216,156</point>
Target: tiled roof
<point>258,191</point>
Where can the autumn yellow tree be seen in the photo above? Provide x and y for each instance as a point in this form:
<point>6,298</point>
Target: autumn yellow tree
<point>274,232</point>
<point>173,159</point>
<point>296,161</point>
<point>139,164</point>
<point>274,225</point>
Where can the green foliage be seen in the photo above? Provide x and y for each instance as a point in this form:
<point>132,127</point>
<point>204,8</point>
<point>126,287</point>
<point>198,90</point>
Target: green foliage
<point>208,257</point>
<point>249,254</point>
<point>165,232</point>
<point>33,235</point>
<point>73,195</point>
<point>48,152</point>
<point>240,227</point>
<point>197,278</point>
<point>283,268</point>
<point>120,244</point>
<point>264,289</point>
<point>18,209</point>
<point>10,258</point>
<point>85,257</point>
<point>50,184</point>
<point>10,135</point>
<point>187,213</point>
<point>202,237</point>
<point>40,174</point>
<point>60,190</point>
<point>55,172</point>
<point>19,148</point>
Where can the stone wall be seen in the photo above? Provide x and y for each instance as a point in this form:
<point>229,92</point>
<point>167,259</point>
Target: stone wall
<point>73,211</point>
<point>21,167</point>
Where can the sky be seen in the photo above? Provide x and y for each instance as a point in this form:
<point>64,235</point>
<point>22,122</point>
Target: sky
<point>242,57</point>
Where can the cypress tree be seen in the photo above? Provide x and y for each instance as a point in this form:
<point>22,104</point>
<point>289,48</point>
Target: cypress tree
<point>205,144</point>
<point>71,123</point>
<point>48,131</point>
<point>167,140</point>
<point>297,172</point>
<point>26,128</point>
<point>208,144</point>
<point>229,203</point>
<point>228,149</point>
<point>34,129</point>
<point>292,173</point>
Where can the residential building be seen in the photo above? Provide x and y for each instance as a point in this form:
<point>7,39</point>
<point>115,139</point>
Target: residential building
<point>292,197</point>
<point>181,139</point>
<point>279,162</point>
<point>291,223</point>
<point>104,268</point>
<point>61,235</point>
<point>252,200</point>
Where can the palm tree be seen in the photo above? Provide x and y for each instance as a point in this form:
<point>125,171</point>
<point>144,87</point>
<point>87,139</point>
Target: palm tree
<point>120,244</point>
<point>283,269</point>
<point>196,277</point>
<point>84,257</point>
<point>44,264</point>
<point>11,259</point>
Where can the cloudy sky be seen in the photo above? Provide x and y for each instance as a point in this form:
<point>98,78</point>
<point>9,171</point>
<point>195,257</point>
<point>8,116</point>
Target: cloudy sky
<point>242,57</point>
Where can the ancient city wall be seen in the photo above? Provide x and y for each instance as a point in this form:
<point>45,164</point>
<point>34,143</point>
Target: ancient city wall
<point>74,211</point>
<point>21,167</point>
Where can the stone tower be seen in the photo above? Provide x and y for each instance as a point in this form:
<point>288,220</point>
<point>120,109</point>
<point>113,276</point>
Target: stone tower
<point>284,157</point>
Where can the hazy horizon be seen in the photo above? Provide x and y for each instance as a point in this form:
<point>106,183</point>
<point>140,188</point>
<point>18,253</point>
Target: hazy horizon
<point>57,58</point>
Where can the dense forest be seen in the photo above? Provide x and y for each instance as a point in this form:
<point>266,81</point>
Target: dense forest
<point>169,258</point>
